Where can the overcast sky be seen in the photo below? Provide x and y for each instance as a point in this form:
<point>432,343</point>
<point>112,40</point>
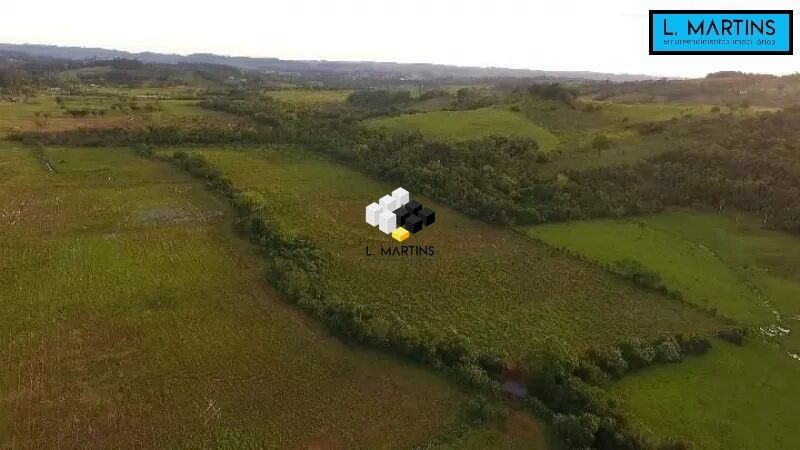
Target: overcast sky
<point>604,36</point>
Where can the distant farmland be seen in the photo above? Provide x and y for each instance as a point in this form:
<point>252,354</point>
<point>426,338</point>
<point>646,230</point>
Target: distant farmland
<point>309,97</point>
<point>466,125</point>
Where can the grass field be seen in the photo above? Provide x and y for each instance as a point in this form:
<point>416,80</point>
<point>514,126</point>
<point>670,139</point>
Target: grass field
<point>724,262</point>
<point>133,317</point>
<point>746,273</point>
<point>517,431</point>
<point>493,286</point>
<point>576,128</point>
<point>467,125</point>
<point>733,398</point>
<point>21,116</point>
<point>309,97</point>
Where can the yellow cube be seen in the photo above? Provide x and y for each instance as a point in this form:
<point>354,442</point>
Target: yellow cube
<point>400,234</point>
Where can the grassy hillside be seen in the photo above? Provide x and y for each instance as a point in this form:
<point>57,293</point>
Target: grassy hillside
<point>309,97</point>
<point>734,398</point>
<point>466,125</point>
<point>747,273</point>
<point>102,111</point>
<point>578,125</point>
<point>132,315</point>
<point>634,130</point>
<point>735,89</point>
<point>723,262</point>
<point>489,285</point>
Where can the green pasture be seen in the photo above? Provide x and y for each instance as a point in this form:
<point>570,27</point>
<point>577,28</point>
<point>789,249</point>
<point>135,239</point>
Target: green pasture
<point>733,398</point>
<point>468,125</point>
<point>723,262</point>
<point>309,97</point>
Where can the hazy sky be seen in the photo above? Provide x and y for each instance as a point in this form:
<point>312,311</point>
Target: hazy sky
<point>606,36</point>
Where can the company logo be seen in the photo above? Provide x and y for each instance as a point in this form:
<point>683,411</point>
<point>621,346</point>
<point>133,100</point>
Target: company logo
<point>721,32</point>
<point>399,216</point>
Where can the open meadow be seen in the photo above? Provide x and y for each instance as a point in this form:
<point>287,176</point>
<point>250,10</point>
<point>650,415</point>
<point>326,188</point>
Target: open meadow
<point>723,262</point>
<point>132,316</point>
<point>730,264</point>
<point>101,110</point>
<point>744,398</point>
<point>310,97</point>
<point>467,125</point>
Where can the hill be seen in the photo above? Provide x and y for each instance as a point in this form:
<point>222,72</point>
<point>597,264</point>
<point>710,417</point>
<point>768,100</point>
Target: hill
<point>379,69</point>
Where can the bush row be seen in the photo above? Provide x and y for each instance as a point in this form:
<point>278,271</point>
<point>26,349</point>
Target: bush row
<point>152,135</point>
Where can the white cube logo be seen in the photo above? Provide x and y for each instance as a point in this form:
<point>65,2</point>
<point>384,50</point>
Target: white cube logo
<point>389,203</point>
<point>387,222</point>
<point>401,196</point>
<point>398,215</point>
<point>374,210</point>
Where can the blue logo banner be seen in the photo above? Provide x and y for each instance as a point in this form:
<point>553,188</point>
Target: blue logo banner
<point>721,32</point>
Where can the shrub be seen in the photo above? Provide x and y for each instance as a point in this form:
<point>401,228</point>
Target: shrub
<point>637,353</point>
<point>610,360</point>
<point>549,367</point>
<point>480,410</point>
<point>578,431</point>
<point>733,335</point>
<point>668,350</point>
<point>693,345</point>
<point>454,350</point>
<point>601,142</point>
<point>640,275</point>
<point>590,373</point>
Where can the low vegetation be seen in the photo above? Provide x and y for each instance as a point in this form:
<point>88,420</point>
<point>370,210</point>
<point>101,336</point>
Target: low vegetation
<point>755,409</point>
<point>727,264</point>
<point>469,125</point>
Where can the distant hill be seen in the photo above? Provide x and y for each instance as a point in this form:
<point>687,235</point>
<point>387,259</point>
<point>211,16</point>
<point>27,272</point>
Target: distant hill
<point>275,65</point>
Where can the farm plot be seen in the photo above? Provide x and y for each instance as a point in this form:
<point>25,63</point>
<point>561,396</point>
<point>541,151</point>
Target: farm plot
<point>733,398</point>
<point>726,263</point>
<point>131,314</point>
